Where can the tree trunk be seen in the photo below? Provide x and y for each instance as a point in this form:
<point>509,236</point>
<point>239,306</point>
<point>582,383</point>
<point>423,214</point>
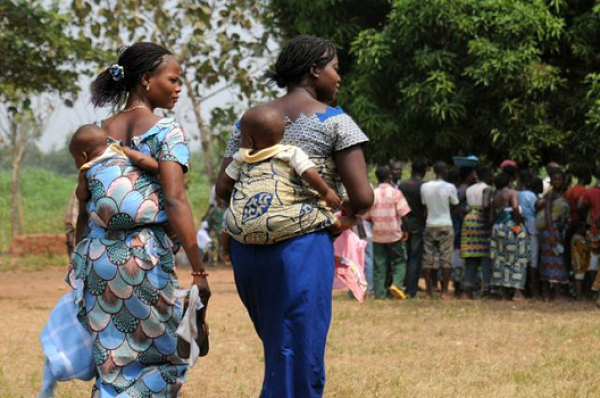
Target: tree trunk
<point>16,213</point>
<point>204,135</point>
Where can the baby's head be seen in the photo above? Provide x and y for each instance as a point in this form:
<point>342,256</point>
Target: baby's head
<point>88,142</point>
<point>262,127</point>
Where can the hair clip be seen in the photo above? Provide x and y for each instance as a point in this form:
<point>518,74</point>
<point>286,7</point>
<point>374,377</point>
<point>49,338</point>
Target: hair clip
<point>116,72</point>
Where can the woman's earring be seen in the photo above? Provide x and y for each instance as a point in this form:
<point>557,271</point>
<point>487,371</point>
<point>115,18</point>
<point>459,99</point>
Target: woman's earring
<point>148,87</point>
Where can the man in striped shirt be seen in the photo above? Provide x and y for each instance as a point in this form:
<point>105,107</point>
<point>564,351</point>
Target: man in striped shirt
<point>387,216</point>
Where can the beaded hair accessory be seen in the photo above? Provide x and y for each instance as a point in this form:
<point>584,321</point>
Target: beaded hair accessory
<point>117,72</point>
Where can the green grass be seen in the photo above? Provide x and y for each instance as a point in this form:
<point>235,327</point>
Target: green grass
<point>46,195</point>
<point>31,263</point>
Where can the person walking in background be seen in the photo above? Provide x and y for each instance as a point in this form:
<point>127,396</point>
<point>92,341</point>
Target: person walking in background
<point>438,196</point>
<point>476,233</point>
<point>527,203</point>
<point>411,189</point>
<point>551,221</point>
<point>509,247</point>
<point>389,254</point>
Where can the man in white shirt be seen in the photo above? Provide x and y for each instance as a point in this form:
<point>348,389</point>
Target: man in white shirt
<point>439,197</point>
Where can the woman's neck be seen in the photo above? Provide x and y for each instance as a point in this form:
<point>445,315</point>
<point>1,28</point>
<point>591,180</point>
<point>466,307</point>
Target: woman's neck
<point>136,99</point>
<point>303,90</point>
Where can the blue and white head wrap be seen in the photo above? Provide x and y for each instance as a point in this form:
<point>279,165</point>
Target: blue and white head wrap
<point>116,72</point>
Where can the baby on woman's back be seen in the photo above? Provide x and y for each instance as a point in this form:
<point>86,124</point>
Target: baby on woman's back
<point>92,151</point>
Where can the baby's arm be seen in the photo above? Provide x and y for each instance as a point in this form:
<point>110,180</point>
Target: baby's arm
<point>142,160</point>
<point>83,195</point>
<point>82,192</point>
<point>232,173</point>
<point>312,177</point>
<point>306,169</point>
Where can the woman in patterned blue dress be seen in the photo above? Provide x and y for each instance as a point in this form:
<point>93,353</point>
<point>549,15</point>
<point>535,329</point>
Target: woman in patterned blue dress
<point>125,261</point>
<point>281,253</point>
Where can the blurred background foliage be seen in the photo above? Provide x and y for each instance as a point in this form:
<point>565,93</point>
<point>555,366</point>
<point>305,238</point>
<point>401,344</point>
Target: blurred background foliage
<point>495,78</point>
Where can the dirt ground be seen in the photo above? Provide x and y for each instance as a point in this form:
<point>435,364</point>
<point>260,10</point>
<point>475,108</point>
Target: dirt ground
<point>378,349</point>
<point>38,244</point>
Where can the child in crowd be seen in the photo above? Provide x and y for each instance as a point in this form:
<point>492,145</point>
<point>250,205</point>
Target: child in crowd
<point>262,130</point>
<point>580,256</point>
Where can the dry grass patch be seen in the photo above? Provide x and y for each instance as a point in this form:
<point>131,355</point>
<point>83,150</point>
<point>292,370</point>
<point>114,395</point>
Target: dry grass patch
<point>379,349</point>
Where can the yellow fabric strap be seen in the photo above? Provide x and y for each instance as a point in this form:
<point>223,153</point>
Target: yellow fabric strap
<point>111,151</point>
<point>247,157</point>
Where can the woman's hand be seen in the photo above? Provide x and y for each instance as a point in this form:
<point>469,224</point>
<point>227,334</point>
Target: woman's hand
<point>203,288</point>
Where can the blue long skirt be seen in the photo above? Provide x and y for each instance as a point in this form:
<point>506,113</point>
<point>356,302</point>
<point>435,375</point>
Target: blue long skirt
<point>286,288</point>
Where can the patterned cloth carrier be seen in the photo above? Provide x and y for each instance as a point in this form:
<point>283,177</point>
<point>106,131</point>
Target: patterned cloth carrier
<point>270,202</point>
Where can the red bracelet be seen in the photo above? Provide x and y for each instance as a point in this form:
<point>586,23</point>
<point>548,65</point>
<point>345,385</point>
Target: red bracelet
<point>200,273</point>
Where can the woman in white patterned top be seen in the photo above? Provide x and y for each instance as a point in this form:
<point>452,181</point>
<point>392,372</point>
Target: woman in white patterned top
<point>281,253</point>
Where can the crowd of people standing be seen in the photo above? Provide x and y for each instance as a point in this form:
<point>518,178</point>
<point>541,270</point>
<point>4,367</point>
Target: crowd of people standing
<point>495,234</point>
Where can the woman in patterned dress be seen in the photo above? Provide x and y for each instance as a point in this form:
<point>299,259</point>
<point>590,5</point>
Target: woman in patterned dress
<point>476,231</point>
<point>509,247</point>
<point>551,221</point>
<point>281,253</point>
<point>125,261</point>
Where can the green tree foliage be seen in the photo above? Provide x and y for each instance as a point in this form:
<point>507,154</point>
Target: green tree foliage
<point>338,20</point>
<point>38,55</point>
<point>497,78</point>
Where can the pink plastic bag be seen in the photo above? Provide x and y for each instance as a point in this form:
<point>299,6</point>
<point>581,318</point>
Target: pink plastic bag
<point>349,252</point>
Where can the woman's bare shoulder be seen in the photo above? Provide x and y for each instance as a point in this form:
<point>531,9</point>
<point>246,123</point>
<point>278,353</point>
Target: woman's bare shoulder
<point>122,127</point>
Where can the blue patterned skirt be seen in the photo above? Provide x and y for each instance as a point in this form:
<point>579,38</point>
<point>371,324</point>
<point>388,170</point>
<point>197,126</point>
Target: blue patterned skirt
<point>130,309</point>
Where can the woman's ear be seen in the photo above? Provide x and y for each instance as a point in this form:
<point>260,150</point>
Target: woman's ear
<point>315,71</point>
<point>145,80</point>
